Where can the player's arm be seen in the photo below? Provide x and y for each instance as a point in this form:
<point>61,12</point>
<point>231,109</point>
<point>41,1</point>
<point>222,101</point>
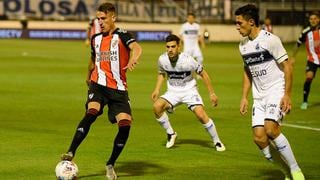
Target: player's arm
<point>296,46</point>
<point>285,103</point>
<point>201,41</point>
<point>207,81</point>
<point>246,86</point>
<point>135,54</point>
<point>90,69</point>
<point>160,79</point>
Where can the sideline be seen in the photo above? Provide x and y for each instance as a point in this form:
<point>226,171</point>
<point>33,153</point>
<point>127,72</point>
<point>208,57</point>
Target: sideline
<point>301,127</point>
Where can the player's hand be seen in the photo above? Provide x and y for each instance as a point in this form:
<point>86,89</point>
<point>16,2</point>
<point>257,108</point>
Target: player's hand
<point>214,99</point>
<point>243,106</point>
<point>132,64</point>
<point>87,42</point>
<point>285,104</point>
<point>154,95</point>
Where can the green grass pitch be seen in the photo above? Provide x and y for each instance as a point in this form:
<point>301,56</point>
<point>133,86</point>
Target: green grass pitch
<point>42,96</point>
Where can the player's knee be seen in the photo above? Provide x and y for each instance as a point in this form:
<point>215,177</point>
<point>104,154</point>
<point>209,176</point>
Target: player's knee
<point>271,133</point>
<point>260,139</point>
<point>158,109</point>
<point>92,112</point>
<point>124,122</point>
<point>309,79</point>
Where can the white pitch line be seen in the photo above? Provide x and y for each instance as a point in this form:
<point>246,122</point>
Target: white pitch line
<point>301,127</point>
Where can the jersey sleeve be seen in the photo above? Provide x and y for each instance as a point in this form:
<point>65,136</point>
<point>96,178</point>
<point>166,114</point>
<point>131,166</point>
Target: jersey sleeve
<point>277,50</point>
<point>126,37</point>
<point>160,67</point>
<point>302,36</point>
<point>198,68</point>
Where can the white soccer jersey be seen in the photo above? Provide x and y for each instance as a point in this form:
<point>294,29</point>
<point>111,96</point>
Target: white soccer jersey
<point>190,34</point>
<point>180,76</point>
<point>262,56</point>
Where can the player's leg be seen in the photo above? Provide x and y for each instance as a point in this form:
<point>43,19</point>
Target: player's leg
<point>209,125</point>
<point>272,124</point>
<point>159,108</point>
<point>82,129</point>
<point>311,69</point>
<point>119,111</point>
<point>260,137</point>
<point>262,141</point>
<point>283,146</point>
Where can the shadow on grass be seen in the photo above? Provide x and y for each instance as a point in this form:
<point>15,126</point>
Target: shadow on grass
<point>131,169</point>
<point>314,104</point>
<point>271,175</point>
<point>203,143</point>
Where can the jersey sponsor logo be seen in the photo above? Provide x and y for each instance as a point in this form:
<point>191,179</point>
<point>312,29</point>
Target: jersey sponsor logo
<point>191,32</point>
<point>178,75</point>
<point>256,58</point>
<point>106,56</point>
<point>262,72</point>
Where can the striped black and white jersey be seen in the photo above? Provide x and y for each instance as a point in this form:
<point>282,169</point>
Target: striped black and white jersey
<point>262,57</point>
<point>180,77</point>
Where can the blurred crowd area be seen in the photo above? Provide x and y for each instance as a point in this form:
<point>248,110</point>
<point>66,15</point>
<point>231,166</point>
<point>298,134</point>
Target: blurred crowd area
<point>281,12</point>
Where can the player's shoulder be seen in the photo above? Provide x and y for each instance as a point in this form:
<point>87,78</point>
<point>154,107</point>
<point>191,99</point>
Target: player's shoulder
<point>97,34</point>
<point>185,56</point>
<point>120,31</point>
<point>306,30</point>
<point>163,56</point>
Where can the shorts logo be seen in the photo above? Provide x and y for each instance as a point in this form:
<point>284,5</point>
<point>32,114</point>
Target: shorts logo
<point>91,95</point>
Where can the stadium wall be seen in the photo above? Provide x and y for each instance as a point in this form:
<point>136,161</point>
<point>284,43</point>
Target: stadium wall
<point>218,32</point>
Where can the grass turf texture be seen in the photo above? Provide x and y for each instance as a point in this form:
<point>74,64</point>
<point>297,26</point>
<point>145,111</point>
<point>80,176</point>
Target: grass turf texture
<point>42,100</point>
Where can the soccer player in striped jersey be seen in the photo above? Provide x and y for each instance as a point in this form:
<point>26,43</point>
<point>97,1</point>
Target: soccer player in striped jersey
<point>182,89</point>
<point>311,37</point>
<point>191,37</point>
<point>113,52</point>
<point>269,73</point>
<point>93,28</point>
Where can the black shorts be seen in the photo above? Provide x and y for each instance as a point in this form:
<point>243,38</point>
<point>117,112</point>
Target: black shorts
<point>312,67</point>
<point>117,101</point>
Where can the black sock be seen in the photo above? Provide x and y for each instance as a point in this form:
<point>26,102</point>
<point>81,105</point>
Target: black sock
<point>119,141</point>
<point>306,89</point>
<point>82,130</point>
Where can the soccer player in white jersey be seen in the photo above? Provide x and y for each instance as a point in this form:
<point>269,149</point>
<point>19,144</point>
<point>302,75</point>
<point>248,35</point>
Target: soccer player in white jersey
<point>182,89</point>
<point>191,37</point>
<point>268,72</point>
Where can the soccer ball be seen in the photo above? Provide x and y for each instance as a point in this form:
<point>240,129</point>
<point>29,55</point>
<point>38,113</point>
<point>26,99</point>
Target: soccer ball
<point>66,170</point>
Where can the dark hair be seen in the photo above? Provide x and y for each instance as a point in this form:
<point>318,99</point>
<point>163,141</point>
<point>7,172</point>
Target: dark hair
<point>249,11</point>
<point>173,37</point>
<point>316,13</point>
<point>191,14</point>
<point>106,7</point>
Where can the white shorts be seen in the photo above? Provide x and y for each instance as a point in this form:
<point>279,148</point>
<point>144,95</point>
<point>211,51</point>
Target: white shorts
<point>190,98</point>
<point>267,108</point>
<point>194,52</point>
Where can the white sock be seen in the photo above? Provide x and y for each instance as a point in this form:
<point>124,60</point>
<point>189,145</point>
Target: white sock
<point>164,122</point>
<point>266,153</point>
<point>211,128</point>
<point>285,150</point>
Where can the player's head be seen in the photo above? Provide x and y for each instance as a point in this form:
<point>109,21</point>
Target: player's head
<point>106,15</point>
<point>191,18</point>
<point>267,21</point>
<point>247,18</point>
<point>172,45</point>
<point>314,18</point>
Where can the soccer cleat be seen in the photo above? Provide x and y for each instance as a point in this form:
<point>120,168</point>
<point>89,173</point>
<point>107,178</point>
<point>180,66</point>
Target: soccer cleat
<point>297,175</point>
<point>219,146</point>
<point>304,106</point>
<point>67,156</point>
<point>110,173</point>
<point>171,139</point>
